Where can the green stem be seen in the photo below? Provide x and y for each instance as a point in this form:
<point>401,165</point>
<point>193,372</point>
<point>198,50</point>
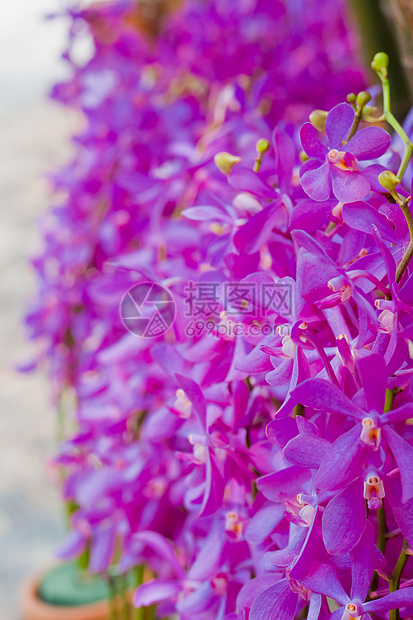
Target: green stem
<point>124,596</point>
<point>83,559</point>
<point>113,614</point>
<point>138,614</point>
<point>408,152</point>
<point>361,101</point>
<point>393,122</point>
<point>381,543</point>
<point>390,118</point>
<point>382,540</point>
<point>394,584</point>
<point>409,252</point>
<point>355,124</point>
<point>388,403</point>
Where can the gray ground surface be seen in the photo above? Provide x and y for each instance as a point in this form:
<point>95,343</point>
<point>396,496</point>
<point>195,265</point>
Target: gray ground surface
<point>33,139</point>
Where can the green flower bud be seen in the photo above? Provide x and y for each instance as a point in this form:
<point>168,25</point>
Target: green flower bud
<point>363,98</point>
<point>225,161</point>
<point>388,180</point>
<point>263,146</point>
<point>351,98</point>
<point>368,110</point>
<point>318,119</point>
<point>380,63</point>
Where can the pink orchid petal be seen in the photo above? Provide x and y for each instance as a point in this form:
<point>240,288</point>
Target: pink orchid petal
<point>338,124</point>
<point>317,183</point>
<point>344,519</point>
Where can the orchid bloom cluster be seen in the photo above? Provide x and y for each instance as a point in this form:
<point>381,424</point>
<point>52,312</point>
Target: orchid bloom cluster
<point>257,456</point>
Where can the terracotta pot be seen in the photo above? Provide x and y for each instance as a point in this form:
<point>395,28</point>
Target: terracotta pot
<point>36,609</point>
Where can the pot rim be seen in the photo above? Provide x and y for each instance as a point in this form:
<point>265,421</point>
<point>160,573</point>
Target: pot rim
<point>36,609</point>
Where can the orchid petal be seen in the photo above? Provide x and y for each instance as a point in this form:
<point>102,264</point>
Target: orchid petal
<point>309,215</point>
<point>284,557</point>
<point>252,589</point>
<point>284,157</point>
<point>281,374</point>
<point>281,431</point>
<point>314,607</point>
<point>247,180</point>
<point>395,600</point>
<point>300,372</point>
<point>263,523</point>
<point>402,512</point>
<point>214,486</point>
<point>162,547</point>
<point>349,186</point>
<point>317,183</point>
<point>311,142</point>
<point>343,462</point>
<point>255,233</point>
<point>155,591</point>
<point>289,481</point>
<point>102,547</point>
<point>313,552</point>
<point>324,396</point>
<point>404,412</point>
<point>326,581</point>
<point>307,450</point>
<point>344,519</point>
<point>403,455</point>
<point>278,602</point>
<point>373,377</point>
<point>207,213</point>
<point>362,564</point>
<point>338,124</point>
<point>369,143</point>
<point>194,394</point>
<point>363,216</point>
<point>72,546</point>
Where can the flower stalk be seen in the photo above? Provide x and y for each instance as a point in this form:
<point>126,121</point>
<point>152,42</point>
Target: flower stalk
<point>138,573</point>
<point>380,65</point>
<point>409,252</point>
<point>394,583</point>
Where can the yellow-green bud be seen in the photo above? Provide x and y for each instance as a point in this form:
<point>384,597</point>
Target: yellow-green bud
<point>368,110</point>
<point>318,119</point>
<point>363,98</point>
<point>380,63</point>
<point>225,161</point>
<point>351,98</point>
<point>263,146</point>
<point>388,180</point>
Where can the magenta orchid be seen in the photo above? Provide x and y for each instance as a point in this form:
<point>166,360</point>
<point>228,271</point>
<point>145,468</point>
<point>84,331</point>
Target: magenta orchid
<point>235,336</point>
<point>335,169</point>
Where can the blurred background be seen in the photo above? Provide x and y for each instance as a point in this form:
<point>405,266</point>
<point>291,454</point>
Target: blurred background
<point>34,139</point>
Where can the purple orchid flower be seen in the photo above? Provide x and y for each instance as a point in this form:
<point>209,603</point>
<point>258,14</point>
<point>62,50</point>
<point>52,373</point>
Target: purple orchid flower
<point>363,560</point>
<point>335,169</point>
<point>190,453</point>
<point>348,453</point>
